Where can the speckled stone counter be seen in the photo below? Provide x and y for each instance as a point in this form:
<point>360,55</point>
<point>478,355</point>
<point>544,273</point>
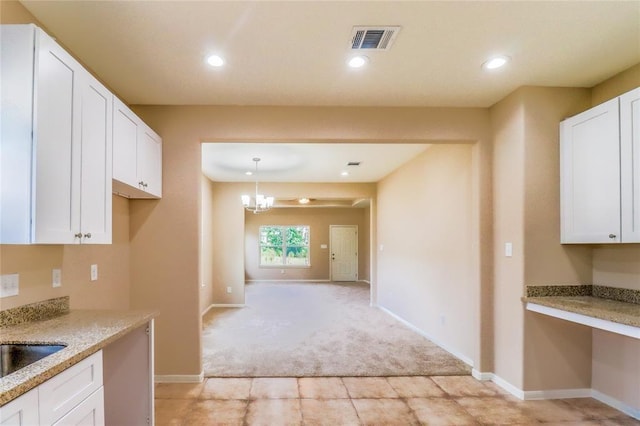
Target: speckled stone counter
<point>84,333</point>
<point>596,307</point>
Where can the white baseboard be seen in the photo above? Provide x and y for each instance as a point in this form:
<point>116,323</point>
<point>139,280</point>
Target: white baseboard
<point>618,405</point>
<point>223,305</point>
<point>453,352</point>
<point>179,378</point>
<point>483,377</point>
<point>287,281</point>
<point>558,394</point>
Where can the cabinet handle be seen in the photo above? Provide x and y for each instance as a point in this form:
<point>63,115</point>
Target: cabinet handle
<point>78,235</point>
<point>87,235</point>
<point>612,236</point>
<point>142,184</point>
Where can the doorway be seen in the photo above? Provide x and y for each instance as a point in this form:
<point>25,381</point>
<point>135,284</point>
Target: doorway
<point>343,242</point>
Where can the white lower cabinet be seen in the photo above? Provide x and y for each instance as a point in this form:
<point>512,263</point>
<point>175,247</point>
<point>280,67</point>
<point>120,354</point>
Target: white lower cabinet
<point>22,411</point>
<point>61,394</point>
<point>89,412</point>
<point>73,397</point>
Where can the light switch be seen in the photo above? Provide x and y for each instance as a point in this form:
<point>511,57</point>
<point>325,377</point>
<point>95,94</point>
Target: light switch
<point>9,285</point>
<point>323,246</point>
<point>94,272</point>
<point>229,290</point>
<point>508,249</point>
<point>56,277</point>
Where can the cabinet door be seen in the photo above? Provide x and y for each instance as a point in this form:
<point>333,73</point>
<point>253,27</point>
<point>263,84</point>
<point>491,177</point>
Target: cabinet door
<point>89,412</point>
<point>125,141</point>
<point>22,411</point>
<point>630,165</point>
<point>150,161</point>
<point>95,199</point>
<point>590,176</point>
<point>56,208</point>
<point>61,393</point>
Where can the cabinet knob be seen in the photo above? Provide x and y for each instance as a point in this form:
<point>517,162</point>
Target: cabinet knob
<point>612,236</point>
<point>87,235</point>
<point>78,235</point>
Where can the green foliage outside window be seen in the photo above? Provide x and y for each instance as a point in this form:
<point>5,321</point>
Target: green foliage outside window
<point>284,246</point>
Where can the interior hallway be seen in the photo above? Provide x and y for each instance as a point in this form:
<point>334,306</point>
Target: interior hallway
<point>450,400</point>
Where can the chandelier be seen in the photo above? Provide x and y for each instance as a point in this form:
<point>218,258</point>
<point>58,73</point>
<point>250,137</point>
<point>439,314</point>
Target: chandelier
<point>260,203</point>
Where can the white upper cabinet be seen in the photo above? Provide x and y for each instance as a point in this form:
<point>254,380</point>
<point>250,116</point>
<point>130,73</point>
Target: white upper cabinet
<point>137,155</point>
<point>630,166</point>
<point>56,144</point>
<point>600,173</point>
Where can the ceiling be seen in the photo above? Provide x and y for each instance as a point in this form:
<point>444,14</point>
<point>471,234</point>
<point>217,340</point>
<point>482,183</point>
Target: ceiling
<point>304,162</point>
<point>294,52</point>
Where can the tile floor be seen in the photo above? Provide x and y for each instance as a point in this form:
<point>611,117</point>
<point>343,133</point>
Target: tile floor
<point>451,400</point>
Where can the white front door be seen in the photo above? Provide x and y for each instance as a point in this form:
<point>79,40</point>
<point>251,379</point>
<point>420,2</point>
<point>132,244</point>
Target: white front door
<point>344,252</point>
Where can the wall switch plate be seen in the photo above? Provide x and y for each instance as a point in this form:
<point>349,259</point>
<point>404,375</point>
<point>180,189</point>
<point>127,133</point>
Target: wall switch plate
<point>56,277</point>
<point>229,290</point>
<point>94,272</point>
<point>9,285</point>
<point>508,249</point>
<point>323,246</point>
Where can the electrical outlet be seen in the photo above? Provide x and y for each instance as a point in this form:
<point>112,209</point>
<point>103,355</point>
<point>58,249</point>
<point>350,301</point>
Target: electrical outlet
<point>229,290</point>
<point>9,285</point>
<point>56,278</point>
<point>94,272</point>
<point>508,249</point>
<point>282,271</point>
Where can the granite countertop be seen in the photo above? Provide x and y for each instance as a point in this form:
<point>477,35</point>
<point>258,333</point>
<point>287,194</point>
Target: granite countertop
<point>596,307</point>
<point>84,333</point>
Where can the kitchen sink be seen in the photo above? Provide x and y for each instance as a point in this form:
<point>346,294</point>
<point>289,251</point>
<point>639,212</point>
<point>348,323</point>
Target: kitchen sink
<point>14,356</point>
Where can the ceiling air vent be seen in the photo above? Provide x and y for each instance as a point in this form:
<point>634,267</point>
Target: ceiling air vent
<point>378,38</point>
<point>353,163</point>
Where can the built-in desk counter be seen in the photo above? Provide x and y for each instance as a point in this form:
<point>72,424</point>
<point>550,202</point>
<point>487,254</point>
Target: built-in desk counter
<point>583,305</point>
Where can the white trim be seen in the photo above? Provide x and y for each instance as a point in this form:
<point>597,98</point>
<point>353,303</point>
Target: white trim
<point>225,305</point>
<point>618,405</point>
<point>613,327</point>
<point>222,305</point>
<point>180,378</point>
<point>483,377</point>
<point>557,394</point>
<point>287,281</point>
<point>365,281</point>
<point>447,348</point>
<point>513,390</point>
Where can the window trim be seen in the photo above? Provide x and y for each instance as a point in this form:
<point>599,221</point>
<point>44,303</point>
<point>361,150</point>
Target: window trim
<point>284,248</point>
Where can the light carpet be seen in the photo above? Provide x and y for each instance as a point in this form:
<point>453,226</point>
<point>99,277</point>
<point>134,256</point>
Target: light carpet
<point>316,329</point>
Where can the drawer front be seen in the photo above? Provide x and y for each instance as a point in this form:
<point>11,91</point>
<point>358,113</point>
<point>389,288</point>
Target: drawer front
<point>90,412</point>
<point>22,411</point>
<point>60,394</point>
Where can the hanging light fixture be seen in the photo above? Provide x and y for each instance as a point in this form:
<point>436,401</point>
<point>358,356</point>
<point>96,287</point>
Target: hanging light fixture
<point>260,203</point>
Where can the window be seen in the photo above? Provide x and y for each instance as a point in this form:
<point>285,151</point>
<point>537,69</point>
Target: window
<point>284,246</point>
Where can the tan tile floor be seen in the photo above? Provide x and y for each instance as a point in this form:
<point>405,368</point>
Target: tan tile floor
<point>455,401</point>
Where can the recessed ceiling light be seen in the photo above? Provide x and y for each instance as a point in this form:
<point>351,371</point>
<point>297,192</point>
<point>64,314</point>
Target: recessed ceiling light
<point>249,173</point>
<point>215,61</point>
<point>495,62</point>
<point>344,174</point>
<point>358,61</point>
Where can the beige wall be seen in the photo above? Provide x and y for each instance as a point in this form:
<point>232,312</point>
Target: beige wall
<point>533,352</point>
<point>165,265</point>
<point>507,119</point>
<point>228,223</point>
<point>616,358</point>
<point>319,220</point>
<point>206,245</point>
<point>425,240</point>
<point>34,263</point>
